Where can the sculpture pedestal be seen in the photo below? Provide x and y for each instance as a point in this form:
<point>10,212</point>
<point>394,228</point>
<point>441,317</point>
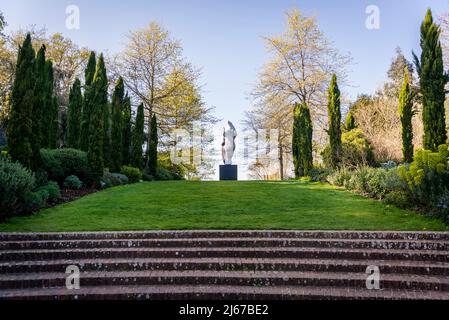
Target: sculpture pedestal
<point>228,172</point>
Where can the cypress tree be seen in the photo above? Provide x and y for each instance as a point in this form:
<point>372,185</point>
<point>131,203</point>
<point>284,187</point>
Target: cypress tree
<point>138,139</point>
<point>40,103</point>
<point>302,140</point>
<point>406,114</point>
<point>20,131</point>
<point>334,114</point>
<point>350,121</point>
<point>51,114</point>
<point>75,114</point>
<point>127,131</point>
<point>432,82</point>
<point>117,126</point>
<point>152,156</point>
<point>88,96</point>
<point>107,134</point>
<point>96,128</point>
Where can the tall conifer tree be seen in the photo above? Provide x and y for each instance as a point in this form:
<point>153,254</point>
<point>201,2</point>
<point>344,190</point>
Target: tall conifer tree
<point>96,128</point>
<point>88,96</point>
<point>40,102</point>
<point>51,111</point>
<point>432,82</point>
<point>334,115</point>
<point>406,114</point>
<point>20,125</point>
<point>138,139</point>
<point>117,126</point>
<point>127,131</point>
<point>302,140</point>
<point>152,156</point>
<point>75,115</point>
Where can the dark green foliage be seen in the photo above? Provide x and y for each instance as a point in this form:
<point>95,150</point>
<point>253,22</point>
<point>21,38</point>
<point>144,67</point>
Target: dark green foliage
<point>319,175</point>
<point>440,206</point>
<point>107,134</point>
<point>127,131</point>
<point>162,174</point>
<point>73,183</point>
<point>33,201</point>
<point>87,101</point>
<point>20,125</point>
<point>117,126</point>
<point>134,174</point>
<point>138,139</point>
<point>15,183</point>
<point>152,150</point>
<point>40,103</point>
<point>51,111</point>
<point>52,190</point>
<point>334,115</point>
<point>302,141</point>
<point>75,115</point>
<point>61,163</point>
<point>432,82</point>
<point>350,121</point>
<point>96,129</point>
<point>406,114</point>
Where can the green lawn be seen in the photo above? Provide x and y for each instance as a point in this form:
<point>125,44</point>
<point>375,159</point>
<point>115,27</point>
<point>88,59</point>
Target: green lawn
<point>223,205</point>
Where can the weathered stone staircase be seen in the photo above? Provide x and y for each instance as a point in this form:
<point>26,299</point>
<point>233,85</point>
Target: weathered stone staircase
<point>241,265</point>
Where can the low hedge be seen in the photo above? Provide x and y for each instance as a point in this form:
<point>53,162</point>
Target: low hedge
<point>61,163</point>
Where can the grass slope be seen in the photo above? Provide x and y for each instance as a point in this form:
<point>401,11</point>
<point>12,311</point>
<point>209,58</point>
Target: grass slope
<point>222,205</point>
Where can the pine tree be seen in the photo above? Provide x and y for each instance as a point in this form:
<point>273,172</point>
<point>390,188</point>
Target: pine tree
<point>138,139</point>
<point>432,82</point>
<point>302,140</point>
<point>20,125</point>
<point>350,121</point>
<point>334,114</point>
<point>96,128</point>
<point>152,156</point>
<point>75,114</point>
<point>117,126</point>
<point>406,114</point>
<point>88,96</point>
<point>127,131</point>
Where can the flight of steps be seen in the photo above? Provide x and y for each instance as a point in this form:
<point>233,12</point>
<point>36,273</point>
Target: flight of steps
<point>241,265</point>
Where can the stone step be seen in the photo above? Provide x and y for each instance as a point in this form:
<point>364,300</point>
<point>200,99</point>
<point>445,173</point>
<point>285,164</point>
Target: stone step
<point>402,244</point>
<point>219,292</point>
<point>268,252</point>
<point>228,264</point>
<point>226,234</point>
<point>225,278</point>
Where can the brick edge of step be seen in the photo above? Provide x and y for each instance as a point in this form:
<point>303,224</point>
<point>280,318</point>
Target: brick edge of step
<point>217,293</point>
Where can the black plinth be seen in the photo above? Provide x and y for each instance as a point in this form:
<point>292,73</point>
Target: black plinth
<point>228,172</point>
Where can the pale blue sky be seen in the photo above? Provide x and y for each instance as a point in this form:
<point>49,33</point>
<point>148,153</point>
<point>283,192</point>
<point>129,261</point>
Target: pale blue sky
<point>224,37</point>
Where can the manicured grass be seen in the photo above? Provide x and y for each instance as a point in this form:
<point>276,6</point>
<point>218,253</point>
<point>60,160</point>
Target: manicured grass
<point>223,205</point>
